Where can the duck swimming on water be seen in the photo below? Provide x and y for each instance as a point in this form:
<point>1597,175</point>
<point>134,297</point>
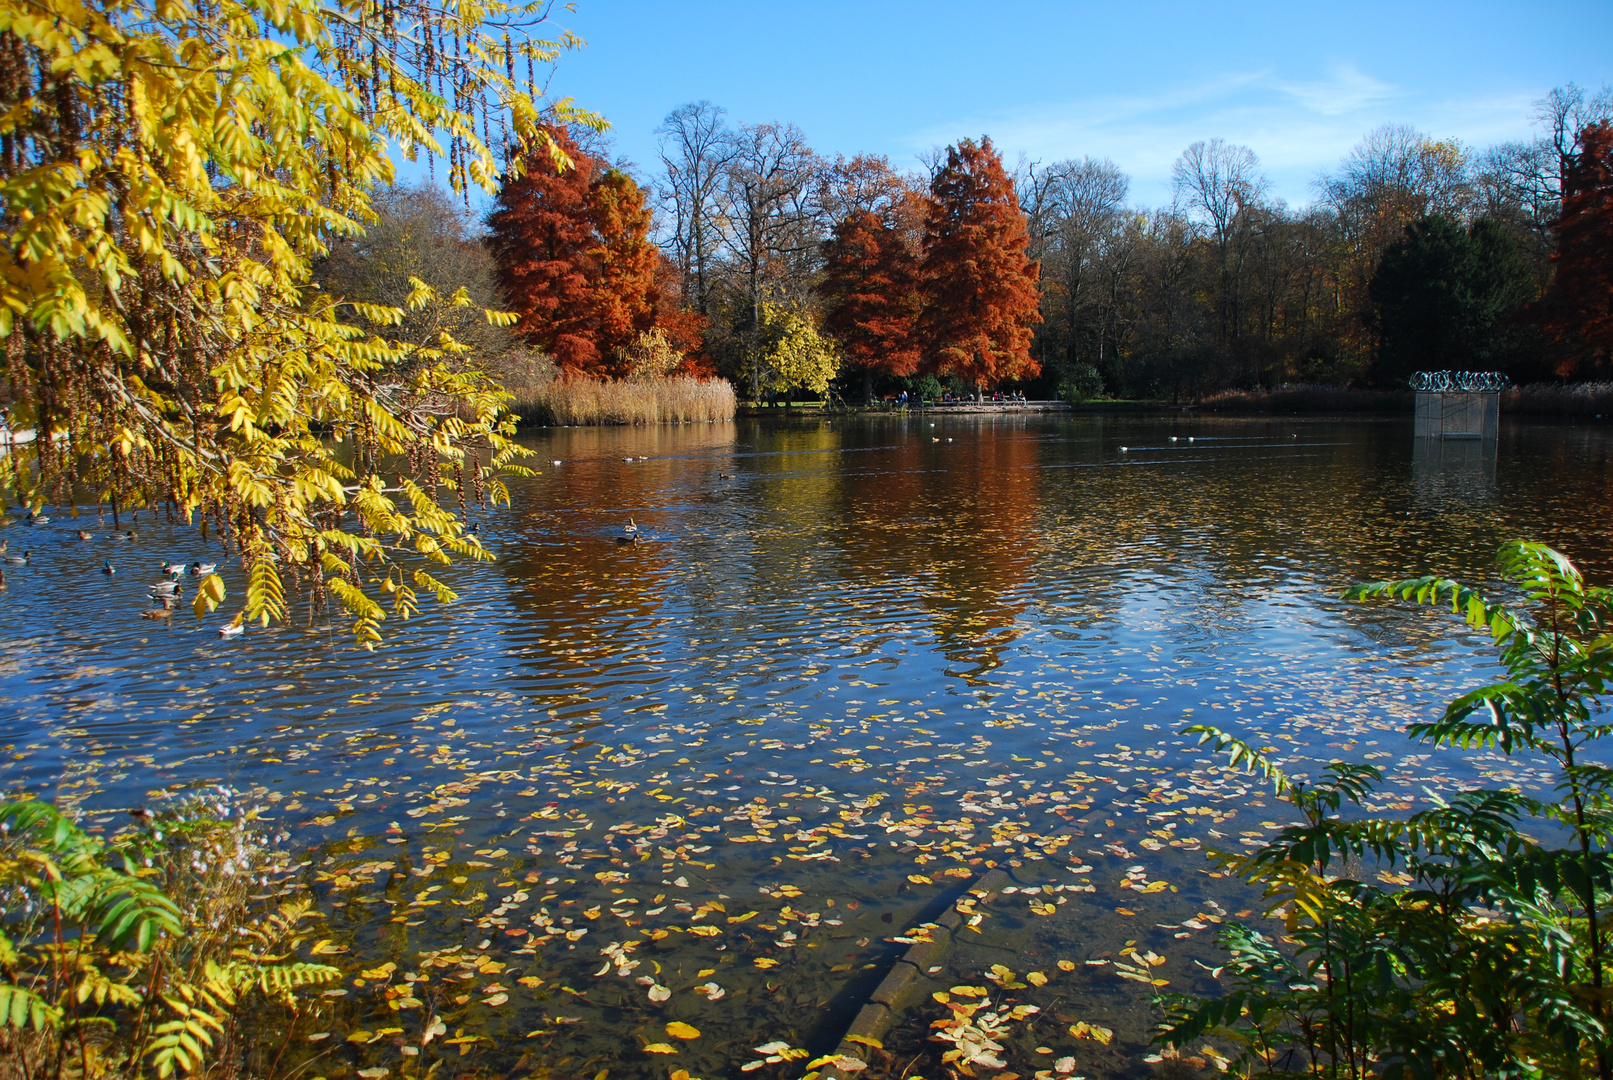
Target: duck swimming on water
<point>107,567</point>
<point>18,560</point>
<point>202,569</point>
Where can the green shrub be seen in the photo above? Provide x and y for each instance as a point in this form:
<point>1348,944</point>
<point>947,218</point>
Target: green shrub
<point>1081,382</point>
<point>150,954</point>
<point>1485,955</point>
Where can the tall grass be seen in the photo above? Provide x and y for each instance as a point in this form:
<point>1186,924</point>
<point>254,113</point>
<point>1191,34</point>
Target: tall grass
<point>666,399</point>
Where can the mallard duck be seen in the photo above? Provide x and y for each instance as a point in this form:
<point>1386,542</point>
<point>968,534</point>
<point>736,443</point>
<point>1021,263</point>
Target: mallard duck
<point>173,569</point>
<point>130,535</point>
<point>36,519</point>
<point>82,535</point>
<point>165,588</point>
<point>202,569</point>
<point>631,527</point>
<point>107,567</point>
<point>231,629</point>
<point>18,560</point>
<point>157,613</point>
<point>2,579</point>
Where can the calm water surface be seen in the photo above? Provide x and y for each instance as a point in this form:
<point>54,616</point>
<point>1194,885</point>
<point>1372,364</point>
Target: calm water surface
<point>855,663</point>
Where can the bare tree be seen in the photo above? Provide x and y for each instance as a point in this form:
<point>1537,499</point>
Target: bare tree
<point>771,222</point>
<point>696,148</point>
<point>1217,182</point>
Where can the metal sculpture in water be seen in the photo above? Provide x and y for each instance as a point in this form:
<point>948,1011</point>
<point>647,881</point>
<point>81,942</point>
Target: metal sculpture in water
<point>1459,381</point>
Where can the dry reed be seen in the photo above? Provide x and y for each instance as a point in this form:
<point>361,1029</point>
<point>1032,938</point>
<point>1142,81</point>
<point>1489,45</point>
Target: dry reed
<point>1310,398</point>
<point>1557,399</point>
<point>667,399</point>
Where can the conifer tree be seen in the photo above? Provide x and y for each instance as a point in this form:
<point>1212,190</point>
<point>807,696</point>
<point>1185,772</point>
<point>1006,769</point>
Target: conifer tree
<point>870,283</point>
<point>979,287</point>
<point>575,260</point>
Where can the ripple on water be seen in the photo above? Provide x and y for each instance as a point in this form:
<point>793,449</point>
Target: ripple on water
<point>850,667</point>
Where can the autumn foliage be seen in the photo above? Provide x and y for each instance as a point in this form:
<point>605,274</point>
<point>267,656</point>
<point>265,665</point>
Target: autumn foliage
<point>871,277</point>
<point>575,260</point>
<point>1578,310</point>
<point>979,287</point>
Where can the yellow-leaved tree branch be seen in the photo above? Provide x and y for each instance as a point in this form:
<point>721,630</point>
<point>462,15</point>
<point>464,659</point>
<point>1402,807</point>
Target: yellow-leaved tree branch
<point>168,171</point>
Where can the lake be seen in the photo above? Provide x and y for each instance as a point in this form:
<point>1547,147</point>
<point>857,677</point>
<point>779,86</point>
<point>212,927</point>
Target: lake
<point>719,777</point>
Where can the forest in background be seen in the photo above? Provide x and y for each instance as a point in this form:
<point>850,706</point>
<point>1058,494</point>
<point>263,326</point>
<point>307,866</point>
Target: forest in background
<point>748,254</point>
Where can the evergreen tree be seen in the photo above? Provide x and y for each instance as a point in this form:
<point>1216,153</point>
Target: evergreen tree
<point>978,286</point>
<point>870,284</point>
<point>1443,299</point>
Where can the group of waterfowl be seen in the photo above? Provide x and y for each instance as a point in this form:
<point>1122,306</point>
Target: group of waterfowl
<point>164,594</point>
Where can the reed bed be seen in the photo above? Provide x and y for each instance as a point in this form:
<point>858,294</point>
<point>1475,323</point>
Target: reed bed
<point>1310,398</point>
<point>1559,399</point>
<point>668,399</point>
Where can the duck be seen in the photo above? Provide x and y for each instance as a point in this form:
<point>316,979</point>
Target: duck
<point>36,519</point>
<point>202,569</point>
<point>2,579</point>
<point>173,569</point>
<point>82,535</point>
<point>130,535</point>
<point>635,539</point>
<point>18,560</point>
<point>631,527</point>
<point>165,588</point>
<point>157,613</point>
<point>107,567</point>
<point>231,629</point>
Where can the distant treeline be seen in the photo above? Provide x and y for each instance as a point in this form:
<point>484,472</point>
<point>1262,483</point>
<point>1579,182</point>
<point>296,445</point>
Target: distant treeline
<point>751,256</point>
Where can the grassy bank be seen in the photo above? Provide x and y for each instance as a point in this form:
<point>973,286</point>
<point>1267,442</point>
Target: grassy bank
<point>670,399</point>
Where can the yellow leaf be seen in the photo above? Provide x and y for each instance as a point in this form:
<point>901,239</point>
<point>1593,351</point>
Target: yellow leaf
<point>679,1030</point>
<point>659,1048</point>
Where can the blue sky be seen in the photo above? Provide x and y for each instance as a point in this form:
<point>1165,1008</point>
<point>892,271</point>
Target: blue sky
<point>1299,83</point>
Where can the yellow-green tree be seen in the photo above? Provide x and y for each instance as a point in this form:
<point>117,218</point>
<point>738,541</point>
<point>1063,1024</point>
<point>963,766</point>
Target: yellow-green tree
<point>167,172</point>
<point>796,354</point>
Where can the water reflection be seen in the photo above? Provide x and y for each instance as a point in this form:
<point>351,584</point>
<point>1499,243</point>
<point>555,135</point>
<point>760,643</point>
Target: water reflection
<point>851,658</point>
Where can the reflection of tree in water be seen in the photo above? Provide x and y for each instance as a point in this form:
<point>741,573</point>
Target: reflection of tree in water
<point>595,628</point>
<point>949,531</point>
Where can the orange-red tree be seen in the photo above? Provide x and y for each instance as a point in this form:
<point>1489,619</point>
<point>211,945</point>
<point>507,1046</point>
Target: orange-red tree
<point>1578,309</point>
<point>574,259</point>
<point>870,286</point>
<point>979,287</point>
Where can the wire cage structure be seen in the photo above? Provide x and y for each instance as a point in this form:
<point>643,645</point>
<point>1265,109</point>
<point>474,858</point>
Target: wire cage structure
<point>1458,404</point>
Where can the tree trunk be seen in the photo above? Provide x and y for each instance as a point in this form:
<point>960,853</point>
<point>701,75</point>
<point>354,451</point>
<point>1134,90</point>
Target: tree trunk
<point>868,386</point>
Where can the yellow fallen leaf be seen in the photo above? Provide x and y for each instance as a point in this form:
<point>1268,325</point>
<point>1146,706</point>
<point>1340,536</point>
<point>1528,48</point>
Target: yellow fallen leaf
<point>920,879</point>
<point>766,962</point>
<point>659,1048</point>
<point>679,1030</point>
<point>1036,978</point>
<point>1066,965</point>
<point>704,930</point>
<point>942,996</point>
<point>742,918</point>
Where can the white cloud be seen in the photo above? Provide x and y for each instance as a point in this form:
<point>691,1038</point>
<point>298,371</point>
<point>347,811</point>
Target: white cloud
<point>1298,128</point>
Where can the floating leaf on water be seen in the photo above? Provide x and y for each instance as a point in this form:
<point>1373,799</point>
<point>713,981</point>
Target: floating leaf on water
<point>659,992</point>
<point>659,1048</point>
<point>374,1073</point>
<point>1036,978</point>
<point>679,1030</point>
<point>1066,965</point>
<point>496,999</point>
